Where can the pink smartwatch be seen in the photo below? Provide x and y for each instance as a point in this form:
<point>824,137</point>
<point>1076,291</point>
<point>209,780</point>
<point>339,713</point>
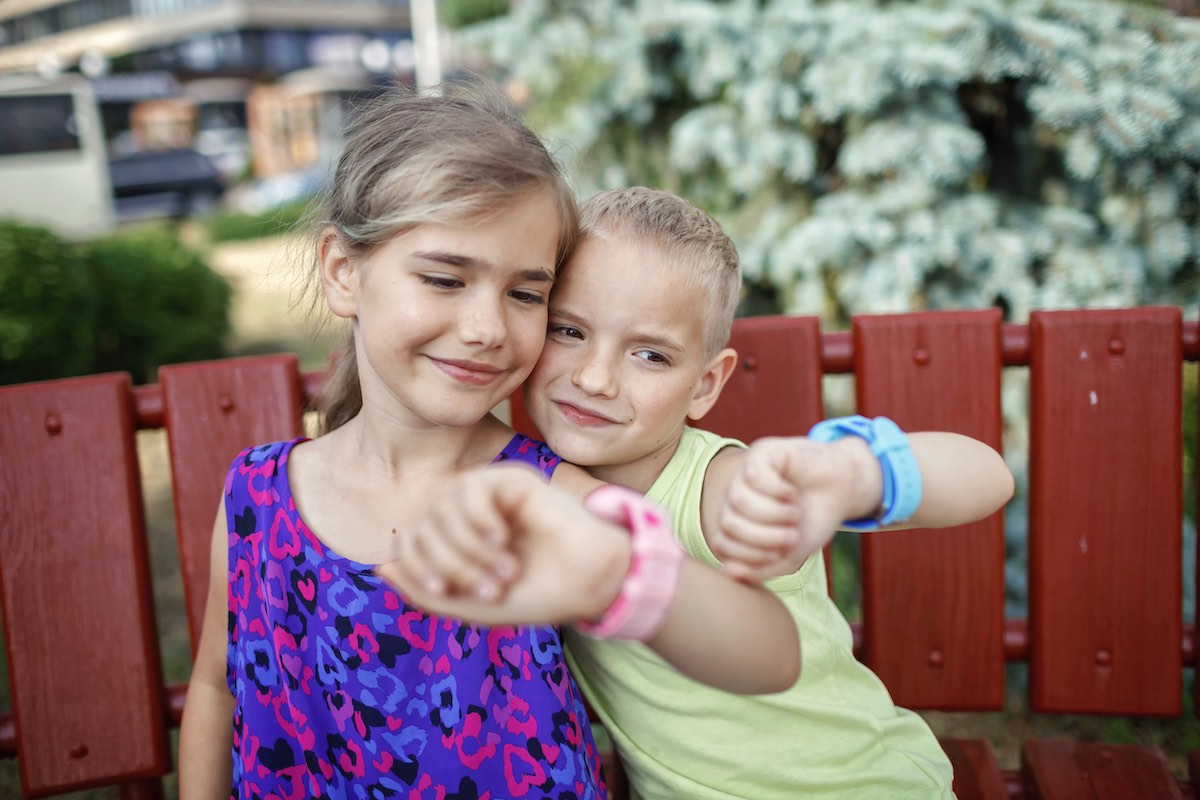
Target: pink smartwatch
<point>640,608</point>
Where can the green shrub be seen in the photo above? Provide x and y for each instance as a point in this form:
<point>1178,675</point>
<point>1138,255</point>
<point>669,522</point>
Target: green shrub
<point>158,303</point>
<point>47,306</point>
<point>128,302</point>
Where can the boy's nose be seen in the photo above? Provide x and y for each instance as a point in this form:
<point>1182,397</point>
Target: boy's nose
<point>594,377</point>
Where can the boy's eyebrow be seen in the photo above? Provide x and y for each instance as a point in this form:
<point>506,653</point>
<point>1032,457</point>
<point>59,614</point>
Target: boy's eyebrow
<point>662,342</point>
<point>459,260</point>
<point>562,315</point>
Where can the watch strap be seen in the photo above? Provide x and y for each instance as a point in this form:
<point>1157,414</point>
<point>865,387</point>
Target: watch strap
<point>902,485</point>
<point>656,560</point>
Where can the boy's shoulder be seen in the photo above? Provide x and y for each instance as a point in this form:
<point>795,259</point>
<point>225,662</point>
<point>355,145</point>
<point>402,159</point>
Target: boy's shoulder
<point>702,460</point>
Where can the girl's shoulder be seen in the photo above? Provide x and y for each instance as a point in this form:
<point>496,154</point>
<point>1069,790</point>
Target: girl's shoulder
<point>257,462</point>
<point>267,451</point>
<point>530,451</point>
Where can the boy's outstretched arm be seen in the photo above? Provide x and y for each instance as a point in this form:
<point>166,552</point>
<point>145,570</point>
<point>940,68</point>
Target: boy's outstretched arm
<point>769,508</point>
<point>571,566</point>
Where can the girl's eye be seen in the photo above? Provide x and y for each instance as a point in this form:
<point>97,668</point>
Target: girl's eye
<point>528,298</point>
<point>652,356</point>
<point>564,331</point>
<point>441,281</point>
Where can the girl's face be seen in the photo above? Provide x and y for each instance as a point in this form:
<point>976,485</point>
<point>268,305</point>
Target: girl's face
<point>448,319</point>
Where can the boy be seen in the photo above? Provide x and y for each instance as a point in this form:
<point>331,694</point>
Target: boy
<point>638,320</point>
<point>635,349</point>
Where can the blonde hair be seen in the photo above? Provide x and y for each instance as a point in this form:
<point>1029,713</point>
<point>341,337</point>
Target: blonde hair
<point>690,239</point>
<point>414,159</point>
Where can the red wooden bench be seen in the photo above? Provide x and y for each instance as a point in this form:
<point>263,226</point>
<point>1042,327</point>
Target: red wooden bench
<point>1105,632</point>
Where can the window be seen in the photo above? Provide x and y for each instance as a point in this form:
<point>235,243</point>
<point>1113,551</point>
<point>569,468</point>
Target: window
<point>38,124</point>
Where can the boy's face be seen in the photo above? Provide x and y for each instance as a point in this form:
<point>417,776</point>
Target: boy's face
<point>623,366</point>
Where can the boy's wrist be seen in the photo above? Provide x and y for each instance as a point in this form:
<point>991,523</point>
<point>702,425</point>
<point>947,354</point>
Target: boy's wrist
<point>866,478</point>
<point>901,474</point>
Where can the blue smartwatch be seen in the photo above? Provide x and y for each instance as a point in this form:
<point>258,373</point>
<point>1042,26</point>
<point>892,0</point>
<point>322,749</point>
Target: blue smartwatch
<point>901,474</point>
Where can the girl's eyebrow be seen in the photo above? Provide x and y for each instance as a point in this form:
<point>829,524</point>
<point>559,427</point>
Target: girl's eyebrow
<point>539,274</point>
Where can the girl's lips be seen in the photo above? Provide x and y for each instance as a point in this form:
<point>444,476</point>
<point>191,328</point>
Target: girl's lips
<point>471,372</point>
<point>583,417</point>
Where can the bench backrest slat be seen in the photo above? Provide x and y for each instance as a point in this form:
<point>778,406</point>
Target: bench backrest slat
<point>941,649</point>
<point>1105,511</point>
<point>778,375</point>
<point>214,409</point>
<point>78,610</point>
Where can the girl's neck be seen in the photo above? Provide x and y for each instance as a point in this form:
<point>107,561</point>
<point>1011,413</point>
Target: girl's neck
<point>397,450</point>
<point>356,486</point>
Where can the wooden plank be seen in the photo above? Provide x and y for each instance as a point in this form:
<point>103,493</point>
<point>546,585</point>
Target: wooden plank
<point>213,410</point>
<point>78,607</point>
<point>933,600</point>
<point>614,776</point>
<point>976,772</point>
<point>1060,770</point>
<point>776,388</point>
<point>1105,512</point>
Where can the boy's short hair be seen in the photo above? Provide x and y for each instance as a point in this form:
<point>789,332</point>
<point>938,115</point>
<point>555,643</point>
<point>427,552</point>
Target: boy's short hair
<point>691,240</point>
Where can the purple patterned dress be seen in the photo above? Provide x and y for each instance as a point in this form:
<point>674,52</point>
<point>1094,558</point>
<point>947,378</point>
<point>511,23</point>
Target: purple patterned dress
<point>345,690</point>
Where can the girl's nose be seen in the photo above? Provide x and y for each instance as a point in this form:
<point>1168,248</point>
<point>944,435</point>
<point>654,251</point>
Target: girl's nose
<point>483,323</point>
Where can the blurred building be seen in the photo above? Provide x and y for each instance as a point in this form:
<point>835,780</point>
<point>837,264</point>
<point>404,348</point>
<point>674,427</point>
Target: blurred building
<point>255,84</point>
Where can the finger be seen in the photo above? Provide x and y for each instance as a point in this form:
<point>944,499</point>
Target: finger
<point>755,574</point>
<point>766,472</point>
<point>743,501</point>
<point>728,550</point>
<point>454,564</point>
<point>762,526</point>
<point>399,572</point>
<point>413,562</point>
<point>480,534</point>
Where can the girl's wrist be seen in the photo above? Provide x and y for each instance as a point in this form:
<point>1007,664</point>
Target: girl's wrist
<point>606,567</point>
<point>651,579</point>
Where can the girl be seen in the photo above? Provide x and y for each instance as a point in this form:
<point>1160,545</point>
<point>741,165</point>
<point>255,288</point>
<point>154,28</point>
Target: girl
<point>441,236</point>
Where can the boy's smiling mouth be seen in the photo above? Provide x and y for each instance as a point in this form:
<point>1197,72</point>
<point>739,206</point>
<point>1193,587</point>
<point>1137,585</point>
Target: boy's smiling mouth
<point>583,417</point>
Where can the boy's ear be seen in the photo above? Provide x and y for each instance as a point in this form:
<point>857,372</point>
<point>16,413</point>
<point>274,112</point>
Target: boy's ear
<point>339,278</point>
<point>712,381</point>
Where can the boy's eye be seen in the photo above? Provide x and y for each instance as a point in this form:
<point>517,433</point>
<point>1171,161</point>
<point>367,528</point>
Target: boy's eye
<point>564,331</point>
<point>441,281</point>
<point>528,298</point>
<point>652,356</point>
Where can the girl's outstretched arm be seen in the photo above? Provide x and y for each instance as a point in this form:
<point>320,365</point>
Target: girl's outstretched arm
<point>206,733</point>
<point>571,565</point>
